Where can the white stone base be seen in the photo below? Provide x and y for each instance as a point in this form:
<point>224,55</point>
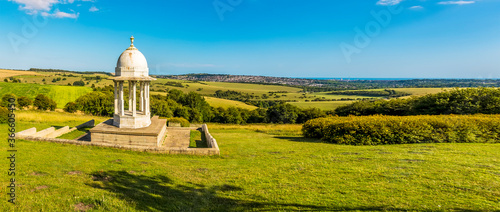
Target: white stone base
<point>133,122</point>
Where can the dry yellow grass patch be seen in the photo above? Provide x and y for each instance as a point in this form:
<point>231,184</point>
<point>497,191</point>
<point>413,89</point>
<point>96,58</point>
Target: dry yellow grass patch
<point>41,117</point>
<point>273,129</point>
<point>10,73</point>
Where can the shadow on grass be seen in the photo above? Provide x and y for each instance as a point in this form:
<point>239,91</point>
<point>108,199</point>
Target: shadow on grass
<point>198,143</point>
<point>299,139</point>
<point>159,193</point>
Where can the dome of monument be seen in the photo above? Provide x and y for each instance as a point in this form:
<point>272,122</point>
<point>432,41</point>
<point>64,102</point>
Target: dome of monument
<point>132,58</point>
<point>131,63</point>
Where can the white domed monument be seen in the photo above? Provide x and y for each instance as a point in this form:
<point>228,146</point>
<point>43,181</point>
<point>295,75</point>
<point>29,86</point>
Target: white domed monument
<point>132,67</point>
<point>132,126</point>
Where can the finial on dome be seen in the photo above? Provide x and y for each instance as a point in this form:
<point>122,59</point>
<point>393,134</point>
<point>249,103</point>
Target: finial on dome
<point>132,47</point>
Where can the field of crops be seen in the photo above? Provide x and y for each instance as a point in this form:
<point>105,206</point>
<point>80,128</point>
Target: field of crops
<point>10,73</point>
<point>60,94</point>
<point>224,103</point>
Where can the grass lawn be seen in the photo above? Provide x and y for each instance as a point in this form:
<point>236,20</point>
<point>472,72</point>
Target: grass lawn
<point>261,167</point>
<point>197,140</point>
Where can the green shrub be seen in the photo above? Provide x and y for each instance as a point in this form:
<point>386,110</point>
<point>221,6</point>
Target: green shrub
<point>375,130</point>
<point>184,122</point>
<point>5,99</point>
<point>79,83</point>
<point>43,102</point>
<point>96,103</point>
<point>24,102</point>
<point>70,107</point>
<point>314,128</point>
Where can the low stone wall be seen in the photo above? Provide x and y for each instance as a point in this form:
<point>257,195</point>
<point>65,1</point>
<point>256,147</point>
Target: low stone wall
<point>159,150</point>
<point>32,135</point>
<point>211,142</point>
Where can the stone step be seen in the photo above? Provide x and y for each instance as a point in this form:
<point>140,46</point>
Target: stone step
<point>28,132</point>
<point>44,132</point>
<point>60,131</point>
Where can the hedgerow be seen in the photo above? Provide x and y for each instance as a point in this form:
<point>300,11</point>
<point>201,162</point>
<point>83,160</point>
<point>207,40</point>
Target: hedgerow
<point>376,130</point>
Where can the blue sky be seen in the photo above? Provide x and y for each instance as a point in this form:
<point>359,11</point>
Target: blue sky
<point>292,38</point>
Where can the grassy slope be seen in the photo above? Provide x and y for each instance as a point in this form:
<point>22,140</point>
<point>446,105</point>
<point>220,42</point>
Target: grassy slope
<point>224,103</point>
<point>321,105</point>
<point>60,94</point>
<point>273,169</point>
<point>10,73</point>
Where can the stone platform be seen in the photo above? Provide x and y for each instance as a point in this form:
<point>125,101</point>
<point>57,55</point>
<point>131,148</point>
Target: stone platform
<point>151,136</point>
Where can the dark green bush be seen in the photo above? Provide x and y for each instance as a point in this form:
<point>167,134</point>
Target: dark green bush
<point>375,130</point>
<point>23,102</point>
<point>184,122</point>
<point>70,107</point>
<point>96,103</point>
<point>79,83</point>
<point>5,99</point>
<point>43,102</point>
<point>4,115</point>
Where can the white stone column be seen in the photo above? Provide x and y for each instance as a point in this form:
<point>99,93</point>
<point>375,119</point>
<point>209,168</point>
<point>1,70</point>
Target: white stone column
<point>121,101</point>
<point>130,96</point>
<point>146,91</point>
<point>134,98</point>
<point>116,97</point>
<point>141,101</point>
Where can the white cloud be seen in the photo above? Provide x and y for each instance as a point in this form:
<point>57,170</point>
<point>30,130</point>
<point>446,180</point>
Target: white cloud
<point>388,2</point>
<point>59,14</point>
<point>418,7</point>
<point>44,7</point>
<point>35,5</point>
<point>457,2</point>
<point>93,9</point>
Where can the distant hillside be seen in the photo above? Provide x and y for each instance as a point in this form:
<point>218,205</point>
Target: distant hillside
<point>314,85</point>
<point>245,79</point>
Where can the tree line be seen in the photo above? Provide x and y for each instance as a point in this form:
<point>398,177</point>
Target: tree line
<point>455,101</point>
<point>193,107</point>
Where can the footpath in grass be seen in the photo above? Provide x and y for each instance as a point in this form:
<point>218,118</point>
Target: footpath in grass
<point>261,167</point>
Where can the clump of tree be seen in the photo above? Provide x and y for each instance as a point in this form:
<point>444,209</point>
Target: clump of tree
<point>5,99</point>
<point>456,101</point>
<point>96,103</point>
<point>23,102</point>
<point>193,107</point>
<point>79,83</point>
<point>233,95</point>
<point>70,107</point>
<point>43,102</point>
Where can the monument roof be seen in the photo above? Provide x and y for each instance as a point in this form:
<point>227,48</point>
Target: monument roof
<point>132,58</point>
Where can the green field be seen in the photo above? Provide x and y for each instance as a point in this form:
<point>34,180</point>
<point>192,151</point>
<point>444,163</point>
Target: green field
<point>224,103</point>
<point>208,88</point>
<point>60,94</point>
<point>261,167</point>
<point>321,105</point>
